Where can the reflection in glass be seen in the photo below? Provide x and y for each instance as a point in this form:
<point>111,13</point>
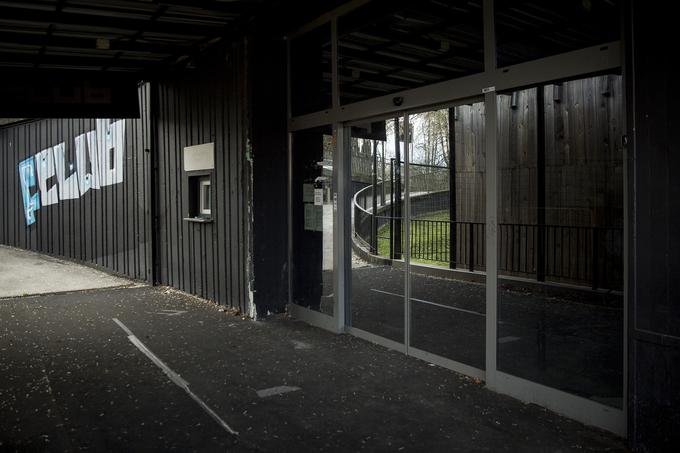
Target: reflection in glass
<point>531,29</point>
<point>560,237</point>
<point>447,206</point>
<point>312,219</point>
<point>387,46</point>
<point>377,293</point>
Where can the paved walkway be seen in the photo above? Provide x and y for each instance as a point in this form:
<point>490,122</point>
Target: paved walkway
<point>24,273</point>
<point>561,342</point>
<point>152,369</point>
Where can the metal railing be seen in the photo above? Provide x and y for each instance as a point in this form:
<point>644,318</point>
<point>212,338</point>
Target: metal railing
<point>591,256</point>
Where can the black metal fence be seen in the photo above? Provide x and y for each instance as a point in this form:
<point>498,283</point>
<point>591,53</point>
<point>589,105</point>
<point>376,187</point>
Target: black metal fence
<point>590,256</point>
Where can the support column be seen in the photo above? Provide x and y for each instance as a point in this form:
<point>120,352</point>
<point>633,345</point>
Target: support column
<point>540,186</point>
<point>374,201</point>
<point>453,227</point>
<point>342,228</point>
<point>397,193</point>
<point>491,226</point>
<point>382,165</point>
<point>407,232</point>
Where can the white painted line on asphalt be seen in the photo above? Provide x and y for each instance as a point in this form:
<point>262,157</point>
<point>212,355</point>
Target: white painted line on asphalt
<point>174,377</point>
<point>122,326</point>
<point>171,312</point>
<point>507,339</point>
<point>472,312</point>
<point>279,390</point>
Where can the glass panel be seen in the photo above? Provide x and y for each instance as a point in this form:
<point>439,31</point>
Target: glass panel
<point>312,219</point>
<point>390,46</point>
<point>377,296</point>
<point>447,189</point>
<point>531,29</point>
<point>560,237</point>
<point>310,77</point>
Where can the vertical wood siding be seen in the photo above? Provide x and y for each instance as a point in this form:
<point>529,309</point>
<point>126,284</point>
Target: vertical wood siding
<point>584,158</point>
<point>109,227</point>
<point>113,227</point>
<point>206,259</point>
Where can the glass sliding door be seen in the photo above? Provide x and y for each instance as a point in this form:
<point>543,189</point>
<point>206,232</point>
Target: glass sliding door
<point>312,219</point>
<point>446,162</point>
<point>418,238</point>
<point>478,228</point>
<point>431,229</point>
<point>560,237</point>
<point>377,301</point>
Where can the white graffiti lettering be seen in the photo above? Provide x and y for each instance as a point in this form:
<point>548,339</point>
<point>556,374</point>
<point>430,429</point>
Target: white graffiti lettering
<point>44,164</point>
<point>86,150</point>
<point>103,149</point>
<point>68,185</point>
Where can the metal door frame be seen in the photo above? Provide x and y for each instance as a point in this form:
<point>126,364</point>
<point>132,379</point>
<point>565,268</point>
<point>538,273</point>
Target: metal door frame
<point>571,65</point>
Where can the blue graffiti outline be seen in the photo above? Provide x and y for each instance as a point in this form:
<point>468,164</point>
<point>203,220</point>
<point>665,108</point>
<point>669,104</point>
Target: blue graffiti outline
<point>27,178</point>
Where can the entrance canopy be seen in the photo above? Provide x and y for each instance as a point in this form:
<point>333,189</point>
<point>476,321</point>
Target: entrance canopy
<point>75,58</point>
<point>115,35</point>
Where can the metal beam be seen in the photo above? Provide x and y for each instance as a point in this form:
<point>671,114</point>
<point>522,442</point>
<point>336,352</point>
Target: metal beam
<point>419,41</point>
<point>537,31</point>
<point>324,19</point>
<point>378,13</point>
<point>90,44</point>
<point>108,22</point>
<point>384,78</point>
<point>571,65</point>
<point>233,7</point>
<point>566,66</point>
<point>75,61</point>
<point>393,62</point>
<point>83,43</point>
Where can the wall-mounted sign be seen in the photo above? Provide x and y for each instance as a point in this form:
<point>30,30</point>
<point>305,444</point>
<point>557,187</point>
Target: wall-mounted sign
<point>199,157</point>
<point>103,149</point>
<point>318,197</point>
<point>313,217</point>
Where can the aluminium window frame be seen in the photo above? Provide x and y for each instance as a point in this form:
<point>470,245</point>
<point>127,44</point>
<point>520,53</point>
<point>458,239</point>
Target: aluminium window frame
<point>575,64</point>
<point>203,182</point>
<point>192,198</point>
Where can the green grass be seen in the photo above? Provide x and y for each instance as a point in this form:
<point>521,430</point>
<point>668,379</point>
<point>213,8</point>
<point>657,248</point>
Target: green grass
<point>418,240</point>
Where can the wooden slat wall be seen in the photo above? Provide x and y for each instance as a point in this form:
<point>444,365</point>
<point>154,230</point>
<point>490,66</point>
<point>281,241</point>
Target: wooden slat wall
<point>583,174</point>
<point>470,163</point>
<point>112,227</point>
<point>206,259</point>
<point>109,227</point>
<point>584,158</point>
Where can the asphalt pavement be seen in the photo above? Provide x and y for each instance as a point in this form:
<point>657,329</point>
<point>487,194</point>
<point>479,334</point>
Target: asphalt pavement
<point>153,369</point>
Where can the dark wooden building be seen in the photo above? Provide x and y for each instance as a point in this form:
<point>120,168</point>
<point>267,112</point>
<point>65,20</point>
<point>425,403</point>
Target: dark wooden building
<point>219,147</point>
